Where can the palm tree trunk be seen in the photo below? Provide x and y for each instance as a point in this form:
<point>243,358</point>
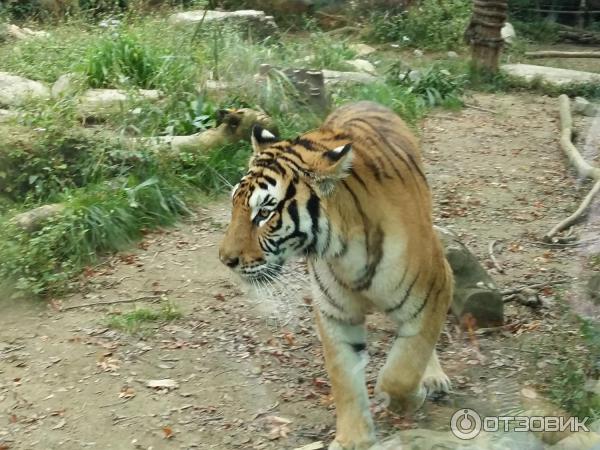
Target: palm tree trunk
<point>483,33</point>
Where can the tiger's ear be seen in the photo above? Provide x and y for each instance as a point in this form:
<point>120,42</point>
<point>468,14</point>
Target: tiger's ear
<point>261,138</point>
<point>332,166</point>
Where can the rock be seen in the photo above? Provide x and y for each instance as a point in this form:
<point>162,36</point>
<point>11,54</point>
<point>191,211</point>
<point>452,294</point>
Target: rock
<point>414,75</point>
<point>579,441</point>
<point>254,23</point>
<point>362,49</point>
<point>63,85</point>
<point>98,104</point>
<point>508,33</point>
<point>362,65</point>
<point>551,75</point>
<point>592,288</point>
<point>7,115</point>
<point>333,77</point>
<point>34,219</point>
<point>424,439</point>
<point>418,53</point>
<point>476,297</point>
<point>452,55</point>
<point>19,33</point>
<point>585,108</point>
<point>16,90</point>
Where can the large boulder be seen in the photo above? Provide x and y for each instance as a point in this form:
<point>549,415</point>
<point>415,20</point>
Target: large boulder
<point>99,104</point>
<point>250,22</point>
<point>477,300</point>
<point>19,33</point>
<point>333,77</point>
<point>16,90</point>
<point>551,75</point>
<point>34,219</point>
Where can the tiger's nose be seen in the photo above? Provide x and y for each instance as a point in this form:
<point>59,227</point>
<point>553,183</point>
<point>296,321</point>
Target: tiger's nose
<point>230,261</point>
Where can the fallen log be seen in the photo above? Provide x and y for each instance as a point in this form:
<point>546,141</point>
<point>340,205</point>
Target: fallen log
<point>583,168</point>
<point>558,54</point>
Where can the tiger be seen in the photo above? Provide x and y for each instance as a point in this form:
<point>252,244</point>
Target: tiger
<point>353,199</point>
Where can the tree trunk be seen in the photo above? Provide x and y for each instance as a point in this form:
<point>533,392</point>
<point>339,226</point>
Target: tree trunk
<point>483,33</point>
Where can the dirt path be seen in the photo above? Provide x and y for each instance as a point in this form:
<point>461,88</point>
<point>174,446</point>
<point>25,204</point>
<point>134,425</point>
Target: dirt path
<point>243,364</point>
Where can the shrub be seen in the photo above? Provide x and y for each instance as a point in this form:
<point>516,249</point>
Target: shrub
<point>432,25</point>
<point>436,86</point>
<point>121,60</point>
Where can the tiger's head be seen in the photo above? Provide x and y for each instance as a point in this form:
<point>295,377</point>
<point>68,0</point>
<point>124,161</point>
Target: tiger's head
<point>278,205</point>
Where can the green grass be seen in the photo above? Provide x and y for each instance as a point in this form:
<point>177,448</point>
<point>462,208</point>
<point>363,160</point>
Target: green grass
<point>433,25</point>
<point>138,320</point>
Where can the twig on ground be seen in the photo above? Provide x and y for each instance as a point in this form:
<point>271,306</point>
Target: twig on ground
<point>493,258</point>
<point>537,286</point>
<point>479,108</point>
<point>114,302</point>
<point>577,215</point>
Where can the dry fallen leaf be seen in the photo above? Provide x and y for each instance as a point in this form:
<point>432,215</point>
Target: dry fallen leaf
<point>4,446</point>
<point>168,431</point>
<point>59,425</point>
<point>127,392</point>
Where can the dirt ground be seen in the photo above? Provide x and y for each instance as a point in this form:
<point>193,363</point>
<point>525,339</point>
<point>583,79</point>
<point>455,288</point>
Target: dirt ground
<point>247,371</point>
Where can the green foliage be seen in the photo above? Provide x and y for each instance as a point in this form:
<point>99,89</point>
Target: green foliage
<point>436,86</point>
<point>58,160</point>
<point>569,389</point>
<point>135,321</point>
<point>537,31</point>
<point>408,106</point>
<point>432,25</point>
<point>47,58</point>
<point>121,60</point>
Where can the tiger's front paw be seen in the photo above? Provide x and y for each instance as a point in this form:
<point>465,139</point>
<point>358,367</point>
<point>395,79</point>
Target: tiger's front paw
<point>351,445</point>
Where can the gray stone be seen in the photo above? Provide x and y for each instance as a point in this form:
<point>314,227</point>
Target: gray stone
<point>16,90</point>
<point>99,104</point>
<point>362,65</point>
<point>34,219</point>
<point>333,77</point>
<point>424,439</point>
<point>414,75</point>
<point>452,55</point>
<point>256,23</point>
<point>477,299</point>
<point>19,33</point>
<point>551,75</point>
<point>585,108</point>
<point>592,288</point>
<point>362,49</point>
<point>418,53</point>
<point>6,115</point>
<point>63,85</point>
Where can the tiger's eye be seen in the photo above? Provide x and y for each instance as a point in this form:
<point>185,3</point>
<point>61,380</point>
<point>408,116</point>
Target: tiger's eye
<point>263,213</point>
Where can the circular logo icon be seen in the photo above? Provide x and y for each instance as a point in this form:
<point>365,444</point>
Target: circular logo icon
<point>465,424</point>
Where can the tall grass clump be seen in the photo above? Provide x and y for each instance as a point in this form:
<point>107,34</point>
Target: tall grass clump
<point>431,25</point>
<point>121,60</point>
